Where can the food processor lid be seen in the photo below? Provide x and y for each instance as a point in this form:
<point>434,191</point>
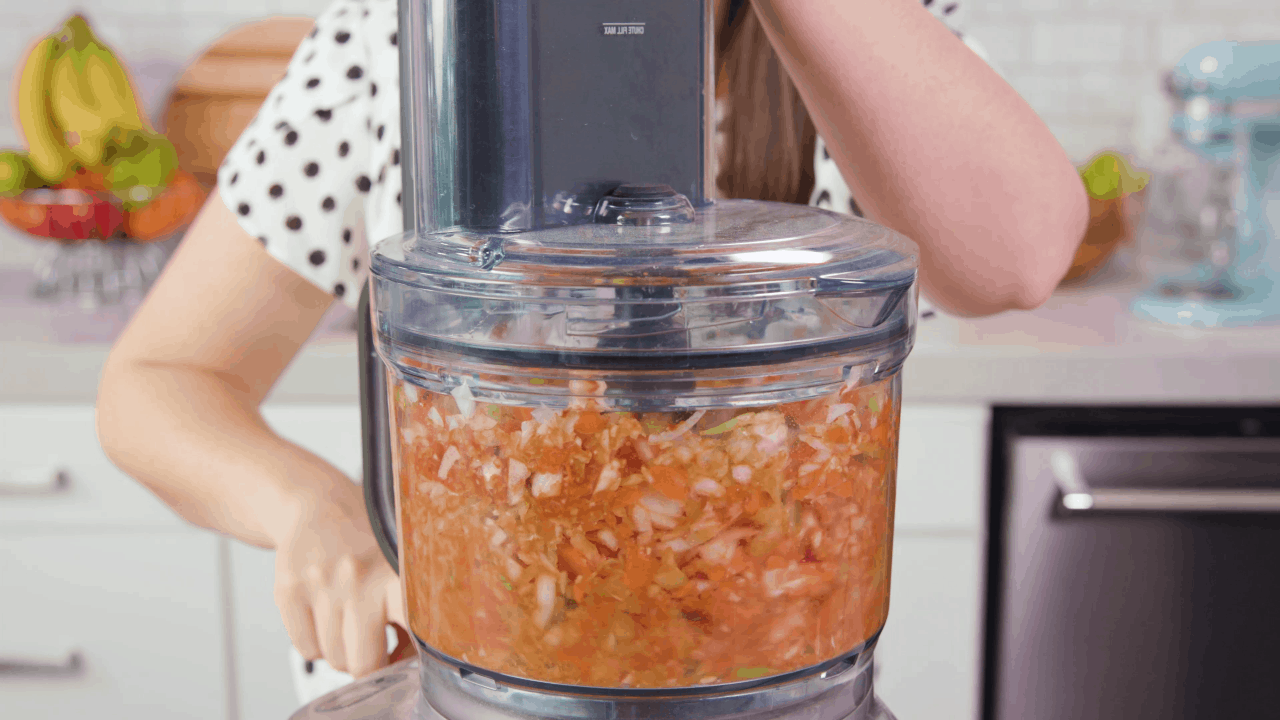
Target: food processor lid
<point>650,279</point>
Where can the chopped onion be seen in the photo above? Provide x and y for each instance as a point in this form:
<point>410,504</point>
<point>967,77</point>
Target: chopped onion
<point>816,444</point>
<point>708,487</point>
<point>641,518</point>
<point>451,456</point>
<point>662,505</point>
<point>680,429</point>
<point>490,471</point>
<point>544,415</point>
<point>466,401</point>
<point>742,473</point>
<point>666,522</point>
<point>545,593</point>
<point>679,545</point>
<point>610,477</point>
<point>546,484</point>
<point>434,415</point>
<point>608,538</point>
<point>517,473</point>
<point>836,411</point>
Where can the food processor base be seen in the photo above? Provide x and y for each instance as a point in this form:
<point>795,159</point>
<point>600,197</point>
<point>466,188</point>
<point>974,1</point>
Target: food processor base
<point>394,693</point>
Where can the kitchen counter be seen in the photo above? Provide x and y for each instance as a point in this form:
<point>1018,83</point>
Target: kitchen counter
<point>1080,347</point>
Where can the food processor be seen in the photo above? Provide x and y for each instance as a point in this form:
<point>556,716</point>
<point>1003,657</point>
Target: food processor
<point>631,449</point>
<point>1228,98</point>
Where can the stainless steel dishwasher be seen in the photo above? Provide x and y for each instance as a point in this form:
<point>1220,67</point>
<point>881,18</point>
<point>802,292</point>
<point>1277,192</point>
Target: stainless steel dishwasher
<point>1133,564</point>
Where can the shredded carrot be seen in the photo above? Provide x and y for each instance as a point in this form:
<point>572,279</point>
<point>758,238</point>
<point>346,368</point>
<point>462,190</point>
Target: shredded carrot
<point>670,481</point>
<point>590,423</point>
<point>572,546</point>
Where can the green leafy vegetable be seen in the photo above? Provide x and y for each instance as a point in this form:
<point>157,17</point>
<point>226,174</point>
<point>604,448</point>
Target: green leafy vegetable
<point>723,427</point>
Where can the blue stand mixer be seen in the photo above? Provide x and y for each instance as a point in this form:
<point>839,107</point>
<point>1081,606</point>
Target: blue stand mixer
<point>1229,94</point>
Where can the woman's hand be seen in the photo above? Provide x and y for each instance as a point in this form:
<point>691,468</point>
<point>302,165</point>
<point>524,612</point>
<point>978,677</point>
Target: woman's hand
<point>178,410</point>
<point>334,588</point>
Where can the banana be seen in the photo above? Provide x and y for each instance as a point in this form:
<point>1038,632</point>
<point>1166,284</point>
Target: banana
<point>50,158</point>
<point>92,96</point>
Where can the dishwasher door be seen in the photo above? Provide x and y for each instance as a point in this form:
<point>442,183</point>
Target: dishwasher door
<point>1135,577</point>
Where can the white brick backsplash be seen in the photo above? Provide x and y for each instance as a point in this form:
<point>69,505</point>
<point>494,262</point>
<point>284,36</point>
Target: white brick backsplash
<point>310,8</point>
<point>1082,139</point>
<point>46,12</point>
<point>1102,92</point>
<point>1078,43</point>
<point>13,49</point>
<point>1046,94</point>
<point>997,9</point>
<point>1173,41</point>
<point>238,8</point>
<point>154,8</point>
<point>1254,32</point>
<point>1008,45</point>
<point>1126,8</point>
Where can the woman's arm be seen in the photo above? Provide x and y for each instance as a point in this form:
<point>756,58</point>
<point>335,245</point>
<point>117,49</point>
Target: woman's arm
<point>937,146</point>
<point>178,410</point>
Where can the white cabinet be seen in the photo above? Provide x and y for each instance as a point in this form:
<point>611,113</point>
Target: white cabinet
<point>927,661</point>
<point>928,658</point>
<point>264,682</point>
<point>110,604</point>
<point>119,625</point>
<point>332,432</point>
<point>54,474</point>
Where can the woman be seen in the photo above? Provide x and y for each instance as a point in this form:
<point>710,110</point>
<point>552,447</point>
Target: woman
<point>931,141</point>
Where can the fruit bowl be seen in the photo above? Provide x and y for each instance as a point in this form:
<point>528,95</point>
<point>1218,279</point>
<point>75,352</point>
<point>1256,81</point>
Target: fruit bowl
<point>102,253</point>
<point>63,214</point>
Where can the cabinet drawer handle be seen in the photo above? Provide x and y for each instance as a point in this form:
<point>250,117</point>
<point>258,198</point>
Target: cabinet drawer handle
<point>1076,498</point>
<point>59,482</point>
<point>72,666</point>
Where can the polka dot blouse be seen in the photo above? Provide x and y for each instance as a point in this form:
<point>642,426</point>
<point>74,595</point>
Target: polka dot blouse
<point>315,177</point>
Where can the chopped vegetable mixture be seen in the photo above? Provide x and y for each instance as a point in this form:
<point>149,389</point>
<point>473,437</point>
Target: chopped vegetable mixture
<point>647,550</point>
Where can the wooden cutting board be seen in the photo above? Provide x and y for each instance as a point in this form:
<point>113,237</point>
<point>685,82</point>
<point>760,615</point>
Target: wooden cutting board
<point>222,88</point>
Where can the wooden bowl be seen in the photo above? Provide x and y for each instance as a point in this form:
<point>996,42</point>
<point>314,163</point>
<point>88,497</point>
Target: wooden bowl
<point>221,90</point>
<point>1111,225</point>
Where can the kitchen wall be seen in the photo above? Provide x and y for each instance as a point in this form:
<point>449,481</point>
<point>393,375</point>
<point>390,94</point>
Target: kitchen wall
<point>1092,68</point>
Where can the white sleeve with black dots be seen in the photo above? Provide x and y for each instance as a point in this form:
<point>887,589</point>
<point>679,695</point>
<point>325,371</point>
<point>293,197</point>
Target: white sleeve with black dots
<point>300,177</point>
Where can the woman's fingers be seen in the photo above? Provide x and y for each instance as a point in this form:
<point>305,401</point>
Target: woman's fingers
<point>366,637</point>
<point>329,626</point>
<point>299,623</point>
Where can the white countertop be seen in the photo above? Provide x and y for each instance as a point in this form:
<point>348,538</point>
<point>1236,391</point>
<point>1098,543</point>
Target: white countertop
<point>1081,347</point>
